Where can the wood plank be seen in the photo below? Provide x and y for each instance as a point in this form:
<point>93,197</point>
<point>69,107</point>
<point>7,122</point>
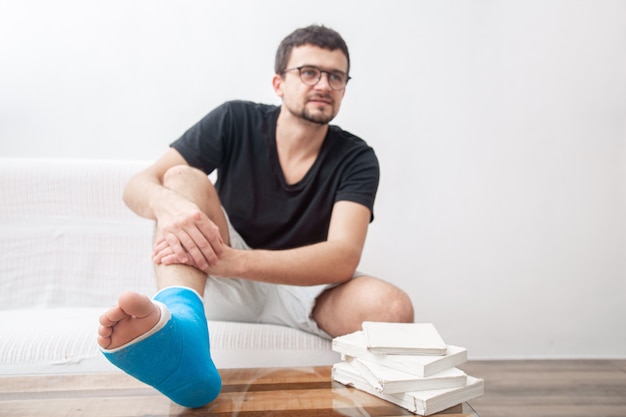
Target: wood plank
<point>255,378</point>
<point>551,388</point>
<point>73,382</point>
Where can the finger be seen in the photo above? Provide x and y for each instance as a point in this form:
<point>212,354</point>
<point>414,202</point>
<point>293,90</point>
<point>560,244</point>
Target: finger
<point>158,256</point>
<point>207,241</point>
<point>172,260</point>
<point>213,237</point>
<point>198,257</point>
<point>161,253</point>
<point>206,249</point>
<point>180,249</point>
<point>159,246</point>
<point>185,247</point>
<point>175,243</point>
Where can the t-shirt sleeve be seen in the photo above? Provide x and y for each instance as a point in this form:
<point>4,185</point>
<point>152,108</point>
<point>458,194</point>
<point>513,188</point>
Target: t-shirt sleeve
<point>204,146</point>
<point>360,180</point>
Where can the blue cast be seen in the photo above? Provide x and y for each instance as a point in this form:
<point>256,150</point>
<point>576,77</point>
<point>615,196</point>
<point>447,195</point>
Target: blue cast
<point>176,359</point>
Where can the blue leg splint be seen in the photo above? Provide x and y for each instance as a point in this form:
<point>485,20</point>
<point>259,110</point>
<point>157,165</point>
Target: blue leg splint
<point>175,358</point>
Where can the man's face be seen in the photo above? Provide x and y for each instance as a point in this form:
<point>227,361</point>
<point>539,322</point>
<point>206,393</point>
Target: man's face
<point>317,103</point>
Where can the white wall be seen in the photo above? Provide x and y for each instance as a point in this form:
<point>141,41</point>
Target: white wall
<point>500,127</point>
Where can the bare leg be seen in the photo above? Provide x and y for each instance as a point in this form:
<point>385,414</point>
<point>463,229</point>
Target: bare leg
<point>135,314</point>
<point>342,309</point>
<point>196,187</point>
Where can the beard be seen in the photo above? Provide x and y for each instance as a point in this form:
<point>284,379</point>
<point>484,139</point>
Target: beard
<point>320,115</point>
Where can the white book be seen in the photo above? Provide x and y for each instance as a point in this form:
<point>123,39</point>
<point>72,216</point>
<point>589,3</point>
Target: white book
<point>420,402</point>
<point>390,381</point>
<point>403,338</point>
<point>354,344</point>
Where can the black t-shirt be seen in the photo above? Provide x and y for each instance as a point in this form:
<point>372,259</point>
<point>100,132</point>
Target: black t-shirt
<point>239,140</point>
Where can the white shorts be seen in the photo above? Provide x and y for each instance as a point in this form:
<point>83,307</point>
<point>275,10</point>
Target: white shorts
<point>234,299</point>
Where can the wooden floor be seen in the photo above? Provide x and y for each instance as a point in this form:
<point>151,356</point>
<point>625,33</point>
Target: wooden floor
<point>568,388</point>
<point>589,388</point>
<point>260,392</point>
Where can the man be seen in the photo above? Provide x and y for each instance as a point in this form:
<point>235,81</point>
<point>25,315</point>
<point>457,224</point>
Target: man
<point>279,236</point>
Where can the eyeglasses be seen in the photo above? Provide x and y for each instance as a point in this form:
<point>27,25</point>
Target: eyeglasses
<point>311,75</point>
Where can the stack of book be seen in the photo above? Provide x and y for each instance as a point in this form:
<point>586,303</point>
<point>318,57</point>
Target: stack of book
<point>406,364</point>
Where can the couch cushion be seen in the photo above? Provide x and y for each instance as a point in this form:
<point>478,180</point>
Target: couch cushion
<point>63,340</point>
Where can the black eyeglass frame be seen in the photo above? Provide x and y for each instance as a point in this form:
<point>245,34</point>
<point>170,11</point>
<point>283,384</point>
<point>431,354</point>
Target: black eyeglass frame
<point>321,71</point>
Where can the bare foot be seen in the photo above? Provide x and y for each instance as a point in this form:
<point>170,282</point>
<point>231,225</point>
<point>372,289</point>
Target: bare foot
<point>134,315</point>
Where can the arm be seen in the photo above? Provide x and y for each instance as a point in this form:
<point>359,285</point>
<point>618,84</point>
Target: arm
<point>334,260</point>
<point>144,192</point>
<point>180,222</point>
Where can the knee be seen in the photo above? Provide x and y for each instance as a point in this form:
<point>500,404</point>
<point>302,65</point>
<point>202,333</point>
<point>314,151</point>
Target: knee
<point>182,174</point>
<point>189,182</point>
<point>398,307</point>
<point>401,309</point>
<point>388,303</point>
<point>343,309</point>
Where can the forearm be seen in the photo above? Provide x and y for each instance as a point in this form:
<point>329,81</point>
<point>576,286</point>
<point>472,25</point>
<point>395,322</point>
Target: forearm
<point>334,260</point>
<point>145,194</point>
<point>142,193</point>
<point>322,263</point>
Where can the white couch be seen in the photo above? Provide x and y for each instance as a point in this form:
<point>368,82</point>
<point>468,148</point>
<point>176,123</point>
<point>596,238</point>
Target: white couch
<point>68,247</point>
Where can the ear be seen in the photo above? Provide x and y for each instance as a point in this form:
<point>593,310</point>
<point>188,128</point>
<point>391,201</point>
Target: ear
<point>277,83</point>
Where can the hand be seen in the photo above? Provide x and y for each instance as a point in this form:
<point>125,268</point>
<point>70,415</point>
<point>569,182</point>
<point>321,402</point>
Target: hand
<point>187,236</point>
<point>226,266</point>
<point>163,254</point>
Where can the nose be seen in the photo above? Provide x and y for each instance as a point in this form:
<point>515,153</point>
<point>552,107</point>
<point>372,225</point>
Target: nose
<point>324,81</point>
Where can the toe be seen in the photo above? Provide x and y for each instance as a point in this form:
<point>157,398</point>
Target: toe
<point>136,305</point>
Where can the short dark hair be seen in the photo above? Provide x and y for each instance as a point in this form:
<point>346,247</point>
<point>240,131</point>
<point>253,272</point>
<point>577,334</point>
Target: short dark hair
<point>316,35</point>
